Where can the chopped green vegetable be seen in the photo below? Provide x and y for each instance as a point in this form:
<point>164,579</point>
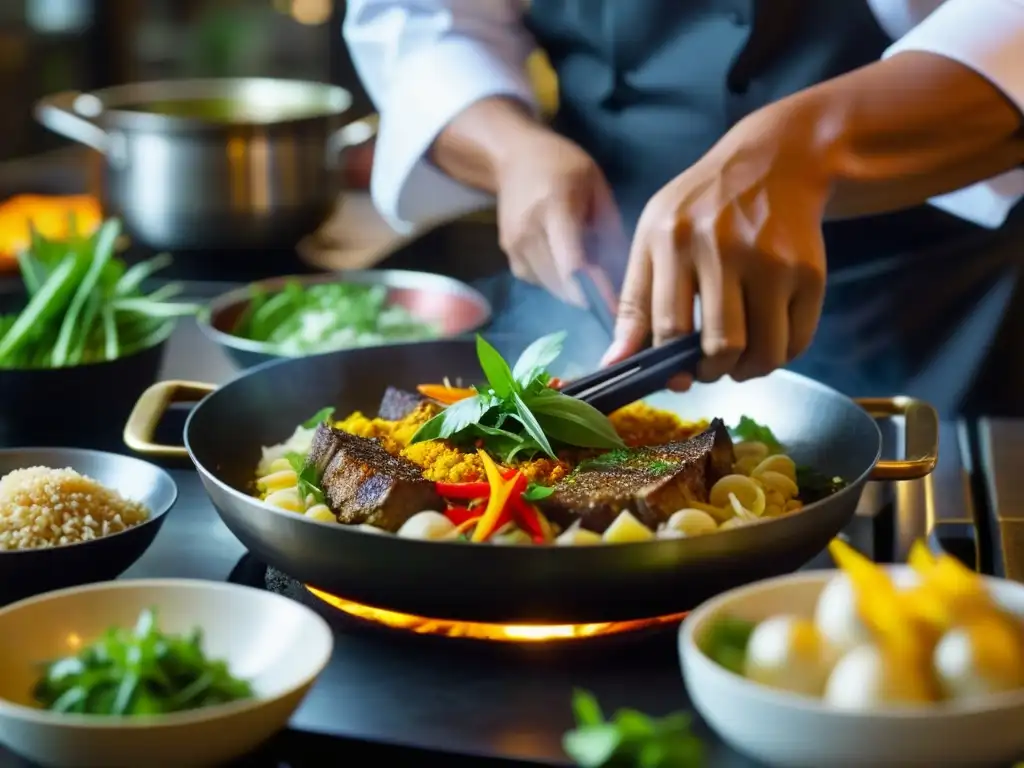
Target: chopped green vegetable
<point>630,738</point>
<point>518,414</point>
<point>137,672</point>
<point>305,320</point>
<point>725,642</point>
<point>308,478</point>
<point>749,430</point>
<point>815,485</point>
<point>85,305</point>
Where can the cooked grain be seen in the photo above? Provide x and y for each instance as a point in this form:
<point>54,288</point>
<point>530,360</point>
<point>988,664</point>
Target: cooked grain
<point>44,507</point>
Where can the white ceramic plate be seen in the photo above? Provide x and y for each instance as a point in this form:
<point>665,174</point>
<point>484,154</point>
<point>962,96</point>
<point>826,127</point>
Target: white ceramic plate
<point>275,643</point>
<point>785,729</point>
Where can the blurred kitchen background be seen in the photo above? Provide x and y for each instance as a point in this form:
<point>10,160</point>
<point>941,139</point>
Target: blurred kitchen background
<point>48,46</point>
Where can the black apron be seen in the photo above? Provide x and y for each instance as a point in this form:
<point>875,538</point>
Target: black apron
<point>648,86</point>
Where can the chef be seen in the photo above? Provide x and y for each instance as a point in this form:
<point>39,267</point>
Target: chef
<point>757,152</point>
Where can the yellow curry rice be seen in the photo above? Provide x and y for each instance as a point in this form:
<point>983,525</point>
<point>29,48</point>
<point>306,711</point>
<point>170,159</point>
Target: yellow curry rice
<point>638,424</point>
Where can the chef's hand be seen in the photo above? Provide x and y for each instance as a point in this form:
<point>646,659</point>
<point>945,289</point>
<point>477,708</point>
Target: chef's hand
<point>741,228</point>
<point>553,201</point>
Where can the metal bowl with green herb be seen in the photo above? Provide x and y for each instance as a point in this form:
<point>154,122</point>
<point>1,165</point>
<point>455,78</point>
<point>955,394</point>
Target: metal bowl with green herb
<point>82,324</point>
<point>306,315</point>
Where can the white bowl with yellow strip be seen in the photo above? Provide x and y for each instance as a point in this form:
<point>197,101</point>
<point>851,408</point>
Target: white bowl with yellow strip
<point>787,728</point>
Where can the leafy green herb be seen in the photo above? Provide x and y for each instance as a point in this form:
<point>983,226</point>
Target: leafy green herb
<point>535,492</point>
<point>518,414</point>
<point>318,418</point>
<point>815,485</point>
<point>301,320</point>
<point>725,642</point>
<point>630,738</point>
<point>749,430</point>
<point>85,305</point>
<point>139,671</point>
<point>308,477</point>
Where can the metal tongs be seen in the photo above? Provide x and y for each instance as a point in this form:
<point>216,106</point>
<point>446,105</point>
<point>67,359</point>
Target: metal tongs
<point>637,376</point>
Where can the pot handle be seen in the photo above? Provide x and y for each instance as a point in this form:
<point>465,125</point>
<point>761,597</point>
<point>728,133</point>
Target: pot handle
<point>350,135</point>
<point>150,409</point>
<point>921,436</point>
<point>61,113</point>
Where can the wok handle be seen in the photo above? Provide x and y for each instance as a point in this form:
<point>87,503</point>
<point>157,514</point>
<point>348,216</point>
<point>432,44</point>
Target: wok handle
<point>150,409</point>
<point>61,114</point>
<point>921,436</point>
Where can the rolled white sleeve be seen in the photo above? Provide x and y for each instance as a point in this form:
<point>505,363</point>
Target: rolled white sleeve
<point>423,62</point>
<point>988,37</point>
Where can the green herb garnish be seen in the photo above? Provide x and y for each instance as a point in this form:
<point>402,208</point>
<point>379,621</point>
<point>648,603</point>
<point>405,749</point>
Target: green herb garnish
<point>535,492</point>
<point>518,414</point>
<point>630,738</point>
<point>85,305</point>
<point>749,430</point>
<point>815,485</point>
<point>300,320</point>
<point>139,671</point>
<point>318,418</point>
<point>725,642</point>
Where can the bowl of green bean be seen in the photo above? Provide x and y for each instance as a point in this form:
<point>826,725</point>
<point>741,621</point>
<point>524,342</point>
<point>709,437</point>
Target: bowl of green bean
<point>80,338</point>
<point>170,672</point>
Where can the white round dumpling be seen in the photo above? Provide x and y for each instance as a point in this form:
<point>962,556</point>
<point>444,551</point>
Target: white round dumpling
<point>862,680</point>
<point>427,525</point>
<point>981,660</point>
<point>786,652</point>
<point>836,615</point>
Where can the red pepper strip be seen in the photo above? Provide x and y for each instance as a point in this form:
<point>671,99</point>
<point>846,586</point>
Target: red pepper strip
<point>459,515</point>
<point>528,517</point>
<point>476,490</point>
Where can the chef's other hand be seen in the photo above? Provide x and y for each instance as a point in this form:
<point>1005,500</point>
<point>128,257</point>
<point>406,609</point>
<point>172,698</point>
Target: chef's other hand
<point>741,228</point>
<point>552,199</point>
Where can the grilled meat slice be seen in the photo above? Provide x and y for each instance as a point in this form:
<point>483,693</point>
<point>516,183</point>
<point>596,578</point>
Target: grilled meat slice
<point>363,483</point>
<point>398,403</point>
<point>652,482</point>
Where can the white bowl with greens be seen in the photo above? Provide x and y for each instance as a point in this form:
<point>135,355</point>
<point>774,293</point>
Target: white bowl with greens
<point>305,315</point>
<point>169,672</point>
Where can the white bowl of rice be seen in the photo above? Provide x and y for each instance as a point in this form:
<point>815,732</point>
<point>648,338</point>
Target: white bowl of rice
<point>72,516</point>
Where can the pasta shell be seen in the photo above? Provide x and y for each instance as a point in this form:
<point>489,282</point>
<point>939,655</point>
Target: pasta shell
<point>748,493</point>
<point>746,465</point>
<point>778,483</point>
<point>778,462</point>
<point>750,449</point>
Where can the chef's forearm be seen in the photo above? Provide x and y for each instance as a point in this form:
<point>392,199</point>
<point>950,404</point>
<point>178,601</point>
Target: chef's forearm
<point>473,146</point>
<point>900,131</point>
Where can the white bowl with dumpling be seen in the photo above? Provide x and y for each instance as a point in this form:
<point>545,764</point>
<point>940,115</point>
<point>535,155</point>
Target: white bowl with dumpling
<point>814,686</point>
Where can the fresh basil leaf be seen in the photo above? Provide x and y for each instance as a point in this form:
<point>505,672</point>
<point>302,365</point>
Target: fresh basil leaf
<point>531,425</point>
<point>573,421</point>
<point>536,492</point>
<point>536,358</point>
<point>749,430</point>
<point>498,374</point>
<point>585,708</point>
<point>592,746</point>
<point>453,419</point>
<point>318,418</point>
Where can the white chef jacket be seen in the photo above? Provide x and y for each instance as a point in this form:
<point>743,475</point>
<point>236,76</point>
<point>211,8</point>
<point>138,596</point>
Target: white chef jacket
<point>425,61</point>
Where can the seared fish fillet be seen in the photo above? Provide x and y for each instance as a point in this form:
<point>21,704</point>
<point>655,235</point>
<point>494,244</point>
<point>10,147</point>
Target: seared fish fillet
<point>363,483</point>
<point>651,482</point>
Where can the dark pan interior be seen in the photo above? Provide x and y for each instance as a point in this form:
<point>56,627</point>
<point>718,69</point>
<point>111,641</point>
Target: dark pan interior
<point>488,583</point>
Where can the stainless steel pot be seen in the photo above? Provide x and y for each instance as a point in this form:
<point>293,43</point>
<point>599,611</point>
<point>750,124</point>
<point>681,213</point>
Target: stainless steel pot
<point>214,164</point>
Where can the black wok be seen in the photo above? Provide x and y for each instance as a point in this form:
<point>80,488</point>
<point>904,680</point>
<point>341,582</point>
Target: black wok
<point>517,584</point>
